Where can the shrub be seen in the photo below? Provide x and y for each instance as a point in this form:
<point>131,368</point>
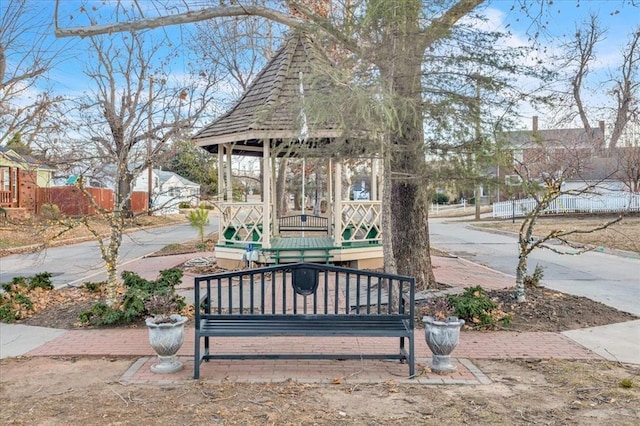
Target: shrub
<point>184,205</point>
<point>16,301</point>
<point>101,314</point>
<point>440,198</point>
<point>50,211</point>
<point>41,280</point>
<point>138,292</point>
<point>94,287</point>
<point>475,307</point>
<point>531,281</point>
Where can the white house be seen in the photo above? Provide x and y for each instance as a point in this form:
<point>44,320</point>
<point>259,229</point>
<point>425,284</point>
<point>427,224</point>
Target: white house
<point>169,190</point>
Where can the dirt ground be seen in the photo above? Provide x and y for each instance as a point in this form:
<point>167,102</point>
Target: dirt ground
<point>87,391</point>
<point>624,235</point>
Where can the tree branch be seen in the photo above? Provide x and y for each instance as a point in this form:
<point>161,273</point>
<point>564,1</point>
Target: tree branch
<point>439,27</point>
<point>180,18</point>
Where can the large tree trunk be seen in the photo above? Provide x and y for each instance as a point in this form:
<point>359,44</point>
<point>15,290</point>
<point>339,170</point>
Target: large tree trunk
<point>402,72</point>
<point>411,233</point>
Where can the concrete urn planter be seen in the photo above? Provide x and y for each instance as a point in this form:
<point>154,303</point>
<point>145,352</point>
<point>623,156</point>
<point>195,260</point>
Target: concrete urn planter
<point>166,338</point>
<point>442,338</point>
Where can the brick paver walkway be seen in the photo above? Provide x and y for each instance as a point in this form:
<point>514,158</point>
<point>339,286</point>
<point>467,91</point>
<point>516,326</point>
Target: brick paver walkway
<point>458,272</point>
<point>480,345</point>
<point>473,345</point>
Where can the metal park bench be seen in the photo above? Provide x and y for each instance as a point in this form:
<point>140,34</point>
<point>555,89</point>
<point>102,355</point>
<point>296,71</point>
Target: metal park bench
<point>303,222</point>
<point>303,299</point>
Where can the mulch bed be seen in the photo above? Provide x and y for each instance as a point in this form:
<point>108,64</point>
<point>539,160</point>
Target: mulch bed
<point>545,310</point>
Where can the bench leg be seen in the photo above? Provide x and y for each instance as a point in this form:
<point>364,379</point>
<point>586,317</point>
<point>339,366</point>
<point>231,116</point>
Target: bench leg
<point>196,359</point>
<point>411,359</point>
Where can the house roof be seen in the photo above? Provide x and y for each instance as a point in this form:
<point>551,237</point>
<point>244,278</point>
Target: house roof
<point>24,159</point>
<point>599,168</point>
<point>164,176</point>
<point>568,138</point>
<point>9,154</point>
<point>271,108</point>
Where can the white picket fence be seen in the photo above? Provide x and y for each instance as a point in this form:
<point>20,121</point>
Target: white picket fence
<point>609,203</point>
<point>436,209</point>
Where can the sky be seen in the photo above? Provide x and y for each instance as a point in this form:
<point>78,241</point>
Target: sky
<point>560,19</point>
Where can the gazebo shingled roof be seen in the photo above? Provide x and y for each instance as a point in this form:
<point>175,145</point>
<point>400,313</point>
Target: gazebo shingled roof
<point>270,108</point>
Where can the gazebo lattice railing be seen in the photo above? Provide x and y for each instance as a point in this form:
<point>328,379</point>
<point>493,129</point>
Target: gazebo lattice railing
<point>242,224</point>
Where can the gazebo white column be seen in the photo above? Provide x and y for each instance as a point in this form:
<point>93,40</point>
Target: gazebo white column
<point>374,180</point>
<point>275,229</point>
<point>228,169</point>
<point>337,210</point>
<point>330,203</point>
<point>221,173</point>
<point>266,191</point>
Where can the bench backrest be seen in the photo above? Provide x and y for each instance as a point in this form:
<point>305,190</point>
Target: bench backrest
<point>305,289</point>
<point>301,222</point>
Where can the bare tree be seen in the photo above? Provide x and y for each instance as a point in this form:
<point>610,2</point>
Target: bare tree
<point>624,82</point>
<point>27,107</point>
<point>627,89</point>
<point>544,171</point>
<point>128,124</point>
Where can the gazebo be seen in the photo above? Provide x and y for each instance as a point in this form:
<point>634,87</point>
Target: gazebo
<point>269,121</point>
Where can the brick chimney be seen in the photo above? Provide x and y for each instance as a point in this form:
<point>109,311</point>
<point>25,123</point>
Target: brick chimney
<point>534,123</point>
<point>601,142</point>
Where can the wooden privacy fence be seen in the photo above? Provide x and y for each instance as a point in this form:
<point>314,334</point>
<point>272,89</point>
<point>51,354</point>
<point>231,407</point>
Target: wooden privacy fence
<point>627,202</point>
<point>72,202</point>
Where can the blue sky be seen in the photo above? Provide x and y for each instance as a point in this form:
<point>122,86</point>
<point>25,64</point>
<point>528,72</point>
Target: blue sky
<point>617,17</point>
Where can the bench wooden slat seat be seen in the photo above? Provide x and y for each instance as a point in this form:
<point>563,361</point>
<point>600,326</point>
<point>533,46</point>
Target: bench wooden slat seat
<point>304,299</point>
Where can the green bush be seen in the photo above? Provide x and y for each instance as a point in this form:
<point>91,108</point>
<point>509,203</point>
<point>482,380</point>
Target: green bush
<point>138,292</point>
<point>184,205</point>
<point>101,314</point>
<point>440,198</point>
<point>16,300</point>
<point>41,280</point>
<point>94,287</point>
<point>475,307</point>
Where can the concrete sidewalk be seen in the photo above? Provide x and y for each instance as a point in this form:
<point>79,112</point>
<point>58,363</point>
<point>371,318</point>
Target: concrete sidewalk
<point>586,344</point>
